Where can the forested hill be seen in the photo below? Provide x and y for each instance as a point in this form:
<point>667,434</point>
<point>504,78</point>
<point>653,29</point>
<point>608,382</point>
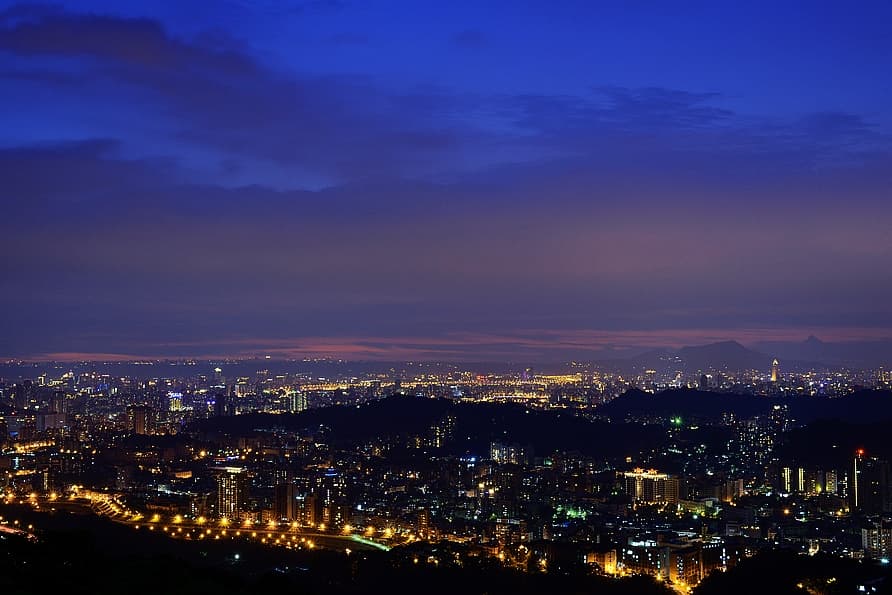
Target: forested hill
<point>858,407</point>
<point>474,425</point>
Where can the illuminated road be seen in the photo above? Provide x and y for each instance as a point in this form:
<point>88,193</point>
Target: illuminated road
<point>290,536</point>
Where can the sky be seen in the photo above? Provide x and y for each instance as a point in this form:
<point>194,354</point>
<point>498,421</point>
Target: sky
<point>382,180</point>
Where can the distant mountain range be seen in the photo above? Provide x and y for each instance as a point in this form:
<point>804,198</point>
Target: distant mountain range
<point>870,354</point>
<point>732,356</point>
<point>726,355</point>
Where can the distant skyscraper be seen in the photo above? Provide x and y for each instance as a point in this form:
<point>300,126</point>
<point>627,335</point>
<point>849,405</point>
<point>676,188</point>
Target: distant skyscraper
<point>57,405</point>
<point>222,405</point>
<point>141,419</point>
<point>22,394</point>
<point>775,370</point>
<point>830,482</point>
<point>174,401</point>
<point>298,402</point>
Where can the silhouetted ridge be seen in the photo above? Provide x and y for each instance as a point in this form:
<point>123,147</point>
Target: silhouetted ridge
<point>729,355</point>
<point>858,407</point>
<point>476,425</point>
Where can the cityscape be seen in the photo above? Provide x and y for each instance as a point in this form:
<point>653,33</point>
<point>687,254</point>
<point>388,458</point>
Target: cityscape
<point>502,297</point>
<point>668,475</point>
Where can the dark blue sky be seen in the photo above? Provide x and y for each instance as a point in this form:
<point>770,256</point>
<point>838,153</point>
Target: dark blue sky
<point>461,180</point>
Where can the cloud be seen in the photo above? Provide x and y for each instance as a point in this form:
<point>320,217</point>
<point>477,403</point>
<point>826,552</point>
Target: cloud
<point>655,107</point>
<point>203,194</point>
<point>141,43</point>
<point>219,109</point>
<point>219,98</point>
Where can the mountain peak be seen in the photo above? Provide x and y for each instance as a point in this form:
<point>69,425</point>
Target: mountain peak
<point>723,354</point>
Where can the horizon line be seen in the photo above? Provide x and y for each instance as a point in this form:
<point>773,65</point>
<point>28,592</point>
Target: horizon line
<point>529,345</point>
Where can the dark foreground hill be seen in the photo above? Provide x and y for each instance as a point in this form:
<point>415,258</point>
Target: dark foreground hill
<point>782,572</point>
<point>832,443</point>
<point>475,426</point>
<point>84,555</point>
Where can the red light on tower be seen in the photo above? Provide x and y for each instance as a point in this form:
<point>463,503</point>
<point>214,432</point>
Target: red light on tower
<point>860,452</point>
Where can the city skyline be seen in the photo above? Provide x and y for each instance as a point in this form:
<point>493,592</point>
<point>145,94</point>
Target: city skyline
<point>503,297</point>
<point>384,180</point>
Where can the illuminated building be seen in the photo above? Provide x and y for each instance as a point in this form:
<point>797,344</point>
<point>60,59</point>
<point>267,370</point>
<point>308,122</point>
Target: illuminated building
<point>685,564</point>
<point>831,482</point>
<point>508,453</point>
<point>141,419</point>
<point>775,370</point>
<point>424,521</point>
<point>651,487</point>
<point>298,402</point>
<point>646,557</point>
<point>877,540</point>
<point>606,559</point>
<point>332,492</point>
<point>310,510</point>
<point>232,492</point>
<point>174,401</point>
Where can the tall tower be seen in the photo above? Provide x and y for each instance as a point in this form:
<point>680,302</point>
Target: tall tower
<point>870,484</point>
<point>141,419</point>
<point>286,504</point>
<point>775,370</point>
<point>232,492</point>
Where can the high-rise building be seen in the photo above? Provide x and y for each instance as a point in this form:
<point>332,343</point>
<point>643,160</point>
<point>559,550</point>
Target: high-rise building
<point>174,401</point>
<point>870,484</point>
<point>298,402</point>
<point>514,453</point>
<point>311,510</point>
<point>221,408</point>
<point>23,394</point>
<point>232,492</point>
<point>141,419</point>
<point>877,540</point>
<point>775,370</point>
<point>57,405</point>
<point>651,487</point>
<point>286,503</point>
